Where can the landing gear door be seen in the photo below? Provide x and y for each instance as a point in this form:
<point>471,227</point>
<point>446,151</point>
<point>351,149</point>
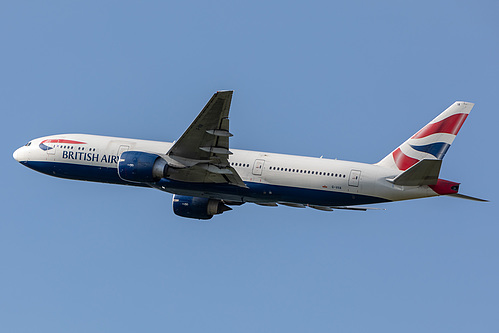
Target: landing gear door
<point>354,178</point>
<point>258,167</point>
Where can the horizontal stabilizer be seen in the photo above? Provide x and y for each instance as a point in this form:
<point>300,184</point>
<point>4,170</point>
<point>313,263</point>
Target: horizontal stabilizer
<point>467,197</point>
<point>425,172</point>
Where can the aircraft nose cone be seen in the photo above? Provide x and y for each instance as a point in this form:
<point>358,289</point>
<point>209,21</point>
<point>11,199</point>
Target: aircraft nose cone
<point>16,155</point>
<point>20,155</point>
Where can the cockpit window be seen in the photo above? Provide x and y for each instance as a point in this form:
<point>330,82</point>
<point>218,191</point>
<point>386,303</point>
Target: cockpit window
<point>28,144</point>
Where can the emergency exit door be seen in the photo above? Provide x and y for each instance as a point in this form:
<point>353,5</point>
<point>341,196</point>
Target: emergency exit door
<point>258,167</point>
<point>354,178</point>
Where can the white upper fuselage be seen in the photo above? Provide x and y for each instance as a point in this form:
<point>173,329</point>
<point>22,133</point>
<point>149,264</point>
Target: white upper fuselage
<point>207,175</point>
<point>94,158</point>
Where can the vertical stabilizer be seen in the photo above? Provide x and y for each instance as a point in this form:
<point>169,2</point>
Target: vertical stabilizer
<point>432,141</point>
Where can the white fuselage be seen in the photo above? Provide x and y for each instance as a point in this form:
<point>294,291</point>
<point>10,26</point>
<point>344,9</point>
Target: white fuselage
<point>270,177</point>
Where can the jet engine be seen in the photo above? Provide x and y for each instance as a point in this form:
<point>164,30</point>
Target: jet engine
<point>198,208</point>
<point>140,167</point>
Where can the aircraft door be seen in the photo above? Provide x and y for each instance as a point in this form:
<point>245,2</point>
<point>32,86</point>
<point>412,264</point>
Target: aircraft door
<point>258,167</point>
<point>354,178</point>
<point>51,152</point>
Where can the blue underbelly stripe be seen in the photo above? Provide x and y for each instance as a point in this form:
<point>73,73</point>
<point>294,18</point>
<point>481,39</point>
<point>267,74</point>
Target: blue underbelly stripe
<point>79,172</point>
<point>255,191</point>
<point>275,193</point>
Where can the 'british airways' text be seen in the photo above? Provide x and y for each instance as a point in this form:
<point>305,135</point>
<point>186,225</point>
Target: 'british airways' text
<point>90,157</point>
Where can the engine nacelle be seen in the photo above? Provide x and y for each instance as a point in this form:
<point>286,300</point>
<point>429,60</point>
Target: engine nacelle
<point>140,167</point>
<point>197,208</point>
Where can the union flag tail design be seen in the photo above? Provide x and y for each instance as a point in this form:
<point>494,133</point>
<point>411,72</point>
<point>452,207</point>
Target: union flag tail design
<point>430,142</point>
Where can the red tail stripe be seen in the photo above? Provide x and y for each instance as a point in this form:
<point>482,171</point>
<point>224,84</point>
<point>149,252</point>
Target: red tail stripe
<point>403,161</point>
<point>450,125</point>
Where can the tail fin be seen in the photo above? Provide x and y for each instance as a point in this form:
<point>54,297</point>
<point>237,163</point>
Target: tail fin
<point>432,141</point>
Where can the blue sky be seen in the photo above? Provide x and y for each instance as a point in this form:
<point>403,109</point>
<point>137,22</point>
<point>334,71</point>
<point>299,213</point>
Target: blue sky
<point>348,80</point>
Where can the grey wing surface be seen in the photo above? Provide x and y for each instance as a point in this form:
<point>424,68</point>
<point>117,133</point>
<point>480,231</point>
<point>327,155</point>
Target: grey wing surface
<point>201,153</point>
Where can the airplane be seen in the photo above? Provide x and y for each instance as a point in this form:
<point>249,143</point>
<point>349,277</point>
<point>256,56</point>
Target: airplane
<point>206,177</point>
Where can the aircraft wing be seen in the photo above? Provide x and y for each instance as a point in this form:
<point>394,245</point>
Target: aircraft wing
<point>201,154</point>
<point>323,208</point>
